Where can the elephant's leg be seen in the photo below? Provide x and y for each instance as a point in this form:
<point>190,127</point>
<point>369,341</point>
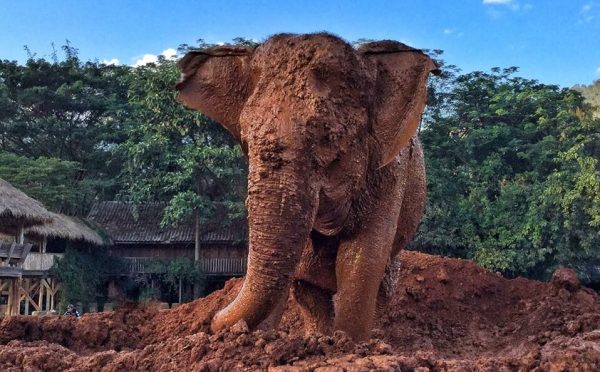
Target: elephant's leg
<point>411,212</point>
<point>273,320</point>
<point>388,285</point>
<point>315,284</point>
<point>360,268</point>
<point>316,307</point>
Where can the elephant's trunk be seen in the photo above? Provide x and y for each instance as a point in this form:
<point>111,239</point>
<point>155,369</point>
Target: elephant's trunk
<point>281,207</point>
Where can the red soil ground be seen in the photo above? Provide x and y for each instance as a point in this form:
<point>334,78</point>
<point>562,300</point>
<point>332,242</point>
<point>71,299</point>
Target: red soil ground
<point>447,315</point>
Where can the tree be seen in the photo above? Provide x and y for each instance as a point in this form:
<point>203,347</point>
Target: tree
<point>67,110</point>
<point>83,275</point>
<point>592,94</point>
<point>178,155</point>
<point>56,183</point>
<point>504,158</point>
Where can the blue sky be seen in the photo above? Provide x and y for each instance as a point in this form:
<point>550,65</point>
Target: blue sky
<point>554,41</point>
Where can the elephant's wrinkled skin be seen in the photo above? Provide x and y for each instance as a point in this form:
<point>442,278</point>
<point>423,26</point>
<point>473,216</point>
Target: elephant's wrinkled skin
<point>336,184</point>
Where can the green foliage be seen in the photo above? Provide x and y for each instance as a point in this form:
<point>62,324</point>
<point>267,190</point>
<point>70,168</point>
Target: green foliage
<point>52,181</point>
<point>171,274</point>
<point>512,174</point>
<point>592,95</point>
<point>83,275</point>
<point>175,154</point>
<point>149,294</point>
<point>66,110</point>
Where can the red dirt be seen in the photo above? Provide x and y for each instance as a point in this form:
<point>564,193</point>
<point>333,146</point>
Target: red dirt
<point>447,314</point>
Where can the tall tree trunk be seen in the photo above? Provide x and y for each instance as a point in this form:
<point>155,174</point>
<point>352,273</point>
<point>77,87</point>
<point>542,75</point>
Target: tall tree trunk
<point>197,236</point>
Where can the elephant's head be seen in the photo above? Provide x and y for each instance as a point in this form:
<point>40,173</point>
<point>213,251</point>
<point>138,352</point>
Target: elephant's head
<point>313,115</point>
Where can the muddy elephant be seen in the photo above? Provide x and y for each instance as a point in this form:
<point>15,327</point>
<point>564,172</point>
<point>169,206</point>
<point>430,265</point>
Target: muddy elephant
<point>336,184</point>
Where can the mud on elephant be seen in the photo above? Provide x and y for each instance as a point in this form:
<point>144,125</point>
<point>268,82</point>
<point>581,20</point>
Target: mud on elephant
<point>336,184</point>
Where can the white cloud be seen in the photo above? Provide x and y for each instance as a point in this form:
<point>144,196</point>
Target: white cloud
<point>510,4</point>
<point>452,31</point>
<point>586,13</point>
<point>113,61</point>
<point>598,71</point>
<point>169,53</point>
<point>146,58</point>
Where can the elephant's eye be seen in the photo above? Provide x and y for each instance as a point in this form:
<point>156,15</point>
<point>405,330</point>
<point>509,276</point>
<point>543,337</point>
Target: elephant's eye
<point>320,72</point>
<point>319,79</point>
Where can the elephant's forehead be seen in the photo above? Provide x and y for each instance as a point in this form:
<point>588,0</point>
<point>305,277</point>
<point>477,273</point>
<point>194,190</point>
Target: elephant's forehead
<point>310,46</point>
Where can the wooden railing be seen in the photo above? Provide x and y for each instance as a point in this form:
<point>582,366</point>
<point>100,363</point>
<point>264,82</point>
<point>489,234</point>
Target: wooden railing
<point>140,265</point>
<point>40,261</point>
<point>210,266</point>
<point>224,266</point>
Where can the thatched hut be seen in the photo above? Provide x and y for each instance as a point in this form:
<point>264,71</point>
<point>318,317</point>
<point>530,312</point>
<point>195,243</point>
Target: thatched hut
<point>64,228</point>
<point>19,211</point>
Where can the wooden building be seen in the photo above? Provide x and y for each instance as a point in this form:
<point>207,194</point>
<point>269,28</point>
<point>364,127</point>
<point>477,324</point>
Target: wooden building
<point>18,285</point>
<point>136,235</point>
<point>27,283</point>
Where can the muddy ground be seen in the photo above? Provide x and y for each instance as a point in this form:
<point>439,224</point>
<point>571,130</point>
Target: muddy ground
<point>447,315</point>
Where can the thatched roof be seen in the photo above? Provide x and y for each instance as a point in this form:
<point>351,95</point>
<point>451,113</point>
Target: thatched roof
<point>126,223</point>
<point>66,227</point>
<point>16,207</point>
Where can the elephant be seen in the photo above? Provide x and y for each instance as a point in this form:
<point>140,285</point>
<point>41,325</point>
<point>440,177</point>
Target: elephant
<point>336,179</point>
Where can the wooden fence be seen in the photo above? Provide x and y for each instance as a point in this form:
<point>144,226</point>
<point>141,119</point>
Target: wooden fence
<point>230,266</point>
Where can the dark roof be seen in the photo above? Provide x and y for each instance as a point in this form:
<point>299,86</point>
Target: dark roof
<point>128,223</point>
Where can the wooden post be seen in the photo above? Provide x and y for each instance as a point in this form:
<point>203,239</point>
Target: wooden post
<point>26,288</point>
<point>21,233</point>
<point>13,297</point>
<point>44,244</point>
<point>179,290</point>
<point>9,304</point>
<point>41,294</point>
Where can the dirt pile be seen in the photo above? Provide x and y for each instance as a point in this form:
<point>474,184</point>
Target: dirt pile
<point>447,315</point>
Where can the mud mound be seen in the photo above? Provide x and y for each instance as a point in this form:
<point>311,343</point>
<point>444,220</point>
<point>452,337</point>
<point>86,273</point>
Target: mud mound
<point>123,329</point>
<point>447,314</point>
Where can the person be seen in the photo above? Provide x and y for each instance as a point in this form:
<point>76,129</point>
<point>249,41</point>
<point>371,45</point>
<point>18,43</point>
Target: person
<point>71,311</point>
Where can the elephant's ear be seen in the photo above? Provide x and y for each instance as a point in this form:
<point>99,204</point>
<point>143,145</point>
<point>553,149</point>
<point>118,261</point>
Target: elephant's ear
<point>194,59</point>
<point>190,63</point>
<point>400,93</point>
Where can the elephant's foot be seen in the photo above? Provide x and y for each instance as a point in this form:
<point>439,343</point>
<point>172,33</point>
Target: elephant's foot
<point>316,306</point>
<point>388,285</point>
<point>273,320</point>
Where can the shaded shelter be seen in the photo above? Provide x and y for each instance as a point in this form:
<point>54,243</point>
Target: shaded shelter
<point>19,211</point>
<point>219,248</point>
<point>64,227</point>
